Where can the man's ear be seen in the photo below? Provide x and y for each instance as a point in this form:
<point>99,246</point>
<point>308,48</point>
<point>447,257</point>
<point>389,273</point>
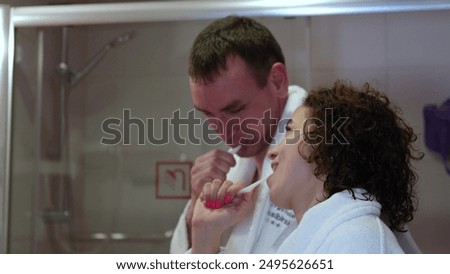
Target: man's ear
<point>278,80</point>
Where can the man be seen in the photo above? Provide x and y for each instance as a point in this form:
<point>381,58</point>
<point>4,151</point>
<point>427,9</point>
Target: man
<point>238,79</point>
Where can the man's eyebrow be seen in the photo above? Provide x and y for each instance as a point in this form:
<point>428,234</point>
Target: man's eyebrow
<point>231,106</point>
<point>201,110</point>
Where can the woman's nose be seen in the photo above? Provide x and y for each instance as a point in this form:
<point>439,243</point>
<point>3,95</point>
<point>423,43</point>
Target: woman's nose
<point>272,154</point>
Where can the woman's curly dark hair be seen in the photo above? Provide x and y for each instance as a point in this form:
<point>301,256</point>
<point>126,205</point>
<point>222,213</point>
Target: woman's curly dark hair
<point>372,149</point>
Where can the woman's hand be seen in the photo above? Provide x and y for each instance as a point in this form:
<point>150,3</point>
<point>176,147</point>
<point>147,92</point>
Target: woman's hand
<point>213,164</point>
<point>217,209</point>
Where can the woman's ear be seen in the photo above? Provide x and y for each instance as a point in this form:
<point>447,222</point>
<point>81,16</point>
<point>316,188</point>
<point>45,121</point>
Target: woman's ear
<point>278,79</point>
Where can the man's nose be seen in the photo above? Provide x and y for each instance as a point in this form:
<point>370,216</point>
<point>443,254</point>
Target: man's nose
<point>232,128</point>
<point>216,125</point>
<point>227,128</point>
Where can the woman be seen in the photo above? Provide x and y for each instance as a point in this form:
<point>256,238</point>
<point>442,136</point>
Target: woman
<point>343,168</point>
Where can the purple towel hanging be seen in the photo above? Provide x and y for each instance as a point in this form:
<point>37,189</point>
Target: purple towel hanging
<point>437,130</point>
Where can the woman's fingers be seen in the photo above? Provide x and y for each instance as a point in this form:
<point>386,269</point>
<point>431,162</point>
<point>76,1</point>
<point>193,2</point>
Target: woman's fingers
<point>232,192</point>
<point>206,193</point>
<point>222,195</point>
<point>218,193</point>
<point>215,193</point>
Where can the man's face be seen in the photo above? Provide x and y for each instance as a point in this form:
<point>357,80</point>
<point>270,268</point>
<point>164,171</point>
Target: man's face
<point>235,106</point>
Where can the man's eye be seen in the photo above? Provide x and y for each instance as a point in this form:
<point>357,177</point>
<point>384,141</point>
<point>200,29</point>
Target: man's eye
<point>207,114</point>
<point>236,111</point>
<point>288,128</point>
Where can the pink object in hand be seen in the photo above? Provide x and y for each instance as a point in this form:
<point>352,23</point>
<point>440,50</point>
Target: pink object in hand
<point>213,204</point>
<point>227,199</point>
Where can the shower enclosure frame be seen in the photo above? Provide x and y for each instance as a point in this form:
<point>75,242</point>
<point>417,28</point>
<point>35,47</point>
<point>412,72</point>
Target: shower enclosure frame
<point>94,14</point>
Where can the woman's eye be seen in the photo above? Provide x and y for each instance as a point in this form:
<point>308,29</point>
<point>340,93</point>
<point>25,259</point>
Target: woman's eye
<point>288,128</point>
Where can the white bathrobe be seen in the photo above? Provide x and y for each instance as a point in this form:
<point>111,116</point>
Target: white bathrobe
<point>342,224</point>
<point>269,225</point>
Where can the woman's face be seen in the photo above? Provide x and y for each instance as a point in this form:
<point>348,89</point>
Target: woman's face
<point>293,177</point>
